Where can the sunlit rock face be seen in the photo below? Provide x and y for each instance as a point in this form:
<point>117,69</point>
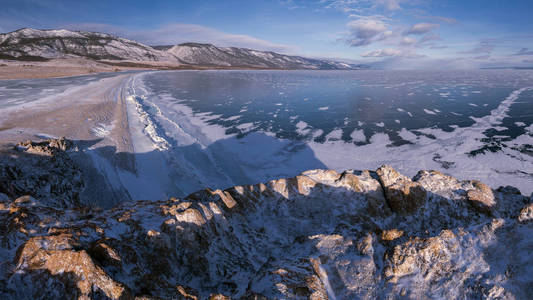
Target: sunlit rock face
<point>319,235</point>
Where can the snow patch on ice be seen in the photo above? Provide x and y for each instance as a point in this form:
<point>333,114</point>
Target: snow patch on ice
<point>335,135</point>
<point>358,135</point>
<point>102,130</point>
<point>233,118</point>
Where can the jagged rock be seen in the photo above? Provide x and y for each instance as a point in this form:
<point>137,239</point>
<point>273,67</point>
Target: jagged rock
<point>43,170</point>
<point>441,184</point>
<point>104,253</point>
<point>426,256</point>
<point>48,147</point>
<point>509,190</point>
<point>392,234</point>
<point>66,267</point>
<point>319,235</point>
<point>403,195</point>
<point>526,213</point>
<point>481,197</point>
<point>187,293</point>
<point>218,297</point>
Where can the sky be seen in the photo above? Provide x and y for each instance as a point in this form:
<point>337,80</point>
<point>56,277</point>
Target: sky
<point>402,34</point>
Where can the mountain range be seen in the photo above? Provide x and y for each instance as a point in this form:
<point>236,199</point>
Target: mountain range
<point>41,45</point>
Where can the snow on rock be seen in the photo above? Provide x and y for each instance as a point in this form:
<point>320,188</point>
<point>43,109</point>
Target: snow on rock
<point>319,235</point>
<point>42,170</point>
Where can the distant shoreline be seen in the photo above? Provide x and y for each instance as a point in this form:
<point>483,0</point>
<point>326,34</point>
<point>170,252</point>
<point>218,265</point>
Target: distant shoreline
<point>58,68</point>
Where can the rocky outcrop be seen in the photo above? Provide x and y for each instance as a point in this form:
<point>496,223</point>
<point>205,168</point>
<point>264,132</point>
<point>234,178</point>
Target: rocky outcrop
<point>319,235</point>
<point>403,195</point>
<point>526,214</point>
<point>481,197</point>
<point>43,170</point>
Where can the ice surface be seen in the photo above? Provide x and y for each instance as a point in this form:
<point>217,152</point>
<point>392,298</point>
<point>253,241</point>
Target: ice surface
<point>263,152</point>
<point>189,135</point>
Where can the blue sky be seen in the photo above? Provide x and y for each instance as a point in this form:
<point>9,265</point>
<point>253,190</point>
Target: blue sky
<point>389,33</point>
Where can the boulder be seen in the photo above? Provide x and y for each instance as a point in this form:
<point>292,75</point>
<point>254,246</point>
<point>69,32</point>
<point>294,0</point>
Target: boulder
<point>526,213</point>
<point>403,195</point>
<point>481,197</point>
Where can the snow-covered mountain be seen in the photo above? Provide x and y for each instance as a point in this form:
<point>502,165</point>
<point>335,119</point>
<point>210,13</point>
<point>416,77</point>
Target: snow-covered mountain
<point>33,44</point>
<point>210,55</point>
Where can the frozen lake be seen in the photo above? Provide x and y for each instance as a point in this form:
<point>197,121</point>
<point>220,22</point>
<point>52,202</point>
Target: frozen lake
<point>197,129</point>
<point>234,127</point>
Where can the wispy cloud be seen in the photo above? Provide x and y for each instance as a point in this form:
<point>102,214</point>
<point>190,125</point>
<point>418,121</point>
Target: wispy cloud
<point>382,53</point>
<point>524,51</point>
<point>408,41</point>
<point>443,19</point>
<point>430,37</point>
<point>363,6</point>
<point>290,4</point>
<point>391,52</point>
<point>421,14</point>
<point>482,47</point>
<point>422,28</point>
<point>389,4</point>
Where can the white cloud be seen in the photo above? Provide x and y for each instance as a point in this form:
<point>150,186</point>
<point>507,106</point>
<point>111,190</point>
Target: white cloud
<point>422,28</point>
<point>408,41</point>
<point>366,30</point>
<point>382,53</point>
<point>391,52</point>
